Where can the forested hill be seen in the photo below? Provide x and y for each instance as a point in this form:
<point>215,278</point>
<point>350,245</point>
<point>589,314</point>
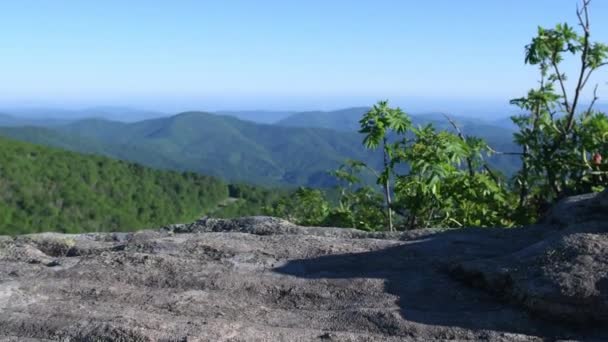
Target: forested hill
<point>229,148</point>
<point>215,145</point>
<point>296,151</point>
<point>47,189</point>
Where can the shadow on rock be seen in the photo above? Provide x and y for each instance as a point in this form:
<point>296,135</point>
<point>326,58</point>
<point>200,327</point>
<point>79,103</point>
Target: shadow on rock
<point>420,273</point>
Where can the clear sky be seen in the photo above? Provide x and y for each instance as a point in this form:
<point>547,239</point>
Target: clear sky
<point>282,54</point>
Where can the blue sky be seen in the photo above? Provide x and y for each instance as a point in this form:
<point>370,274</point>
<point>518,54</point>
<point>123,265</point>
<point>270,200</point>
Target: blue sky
<point>231,54</point>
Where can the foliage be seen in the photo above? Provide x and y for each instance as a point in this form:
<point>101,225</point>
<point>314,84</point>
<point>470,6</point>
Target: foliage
<point>305,206</point>
<point>376,125</point>
<point>557,137</point>
<point>356,206</point>
<point>444,179</point>
<point>439,191</point>
<point>359,206</point>
<point>248,200</point>
<point>45,189</point>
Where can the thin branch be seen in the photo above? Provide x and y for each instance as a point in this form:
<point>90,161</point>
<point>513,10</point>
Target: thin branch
<point>579,87</point>
<point>561,84</point>
<point>491,173</point>
<point>551,112</point>
<point>587,78</point>
<point>591,71</point>
<point>547,106</point>
<point>579,13</point>
<point>505,153</point>
<point>469,161</point>
<point>462,137</point>
<point>523,191</point>
<point>595,98</point>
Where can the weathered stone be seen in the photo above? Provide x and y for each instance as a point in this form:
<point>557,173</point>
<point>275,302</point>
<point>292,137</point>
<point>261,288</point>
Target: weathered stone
<point>562,276</point>
<point>266,279</point>
<point>582,208</point>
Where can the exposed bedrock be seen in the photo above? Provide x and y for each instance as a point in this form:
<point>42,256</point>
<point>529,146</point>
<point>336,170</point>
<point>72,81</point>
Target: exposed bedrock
<point>266,279</point>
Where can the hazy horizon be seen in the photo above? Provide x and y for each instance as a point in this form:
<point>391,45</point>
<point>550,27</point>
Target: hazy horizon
<point>488,111</point>
<point>268,105</point>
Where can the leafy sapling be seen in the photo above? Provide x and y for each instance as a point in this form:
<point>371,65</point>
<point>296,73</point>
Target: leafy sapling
<point>377,124</point>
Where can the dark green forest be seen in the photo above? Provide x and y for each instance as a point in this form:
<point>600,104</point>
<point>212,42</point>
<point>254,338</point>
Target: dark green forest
<point>47,189</point>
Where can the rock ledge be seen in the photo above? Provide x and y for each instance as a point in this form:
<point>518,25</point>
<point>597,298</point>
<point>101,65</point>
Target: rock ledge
<point>259,278</point>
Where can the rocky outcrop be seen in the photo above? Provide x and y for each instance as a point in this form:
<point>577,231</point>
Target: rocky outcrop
<point>577,209</point>
<point>564,274</point>
<point>266,279</point>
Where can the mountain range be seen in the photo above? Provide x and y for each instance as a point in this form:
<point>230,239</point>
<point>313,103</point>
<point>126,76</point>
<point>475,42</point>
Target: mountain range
<point>258,116</point>
<point>297,150</point>
<point>43,116</point>
<point>210,144</point>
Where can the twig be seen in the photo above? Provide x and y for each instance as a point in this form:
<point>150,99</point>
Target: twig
<point>505,153</point>
<point>595,98</point>
<point>462,137</point>
<point>561,84</point>
<point>490,172</point>
<point>579,87</point>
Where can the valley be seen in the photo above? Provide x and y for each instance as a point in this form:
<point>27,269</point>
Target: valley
<point>298,150</point>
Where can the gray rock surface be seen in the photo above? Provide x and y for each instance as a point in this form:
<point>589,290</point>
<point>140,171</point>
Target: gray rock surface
<point>564,275</point>
<point>264,279</point>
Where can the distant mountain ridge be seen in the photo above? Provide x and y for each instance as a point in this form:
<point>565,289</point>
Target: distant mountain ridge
<point>7,120</point>
<point>297,150</point>
<point>38,115</point>
<point>335,119</point>
<point>348,120</point>
<point>221,146</point>
<point>499,137</point>
<point>258,116</point>
<point>341,120</point>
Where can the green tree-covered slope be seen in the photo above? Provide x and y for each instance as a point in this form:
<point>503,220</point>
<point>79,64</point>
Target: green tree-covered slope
<point>243,151</point>
<point>47,189</point>
<point>215,145</point>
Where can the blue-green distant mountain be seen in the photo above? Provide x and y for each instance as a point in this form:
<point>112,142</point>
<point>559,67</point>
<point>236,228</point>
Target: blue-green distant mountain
<point>7,120</point>
<point>499,137</point>
<point>259,116</point>
<point>45,116</point>
<point>298,150</point>
<point>346,120</point>
<point>210,144</point>
<point>49,137</point>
